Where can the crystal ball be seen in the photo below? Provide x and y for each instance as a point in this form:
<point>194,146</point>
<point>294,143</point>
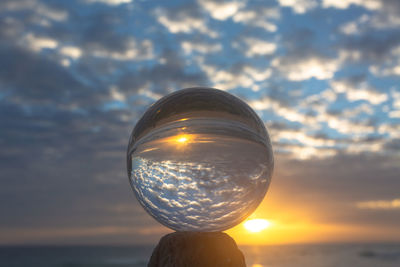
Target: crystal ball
<point>200,159</point>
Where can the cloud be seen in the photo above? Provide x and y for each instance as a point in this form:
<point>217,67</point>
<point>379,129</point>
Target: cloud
<point>116,94</point>
<point>28,75</point>
<point>61,140</point>
<point>380,204</point>
<point>306,140</point>
<point>392,130</point>
<point>386,16</point>
<point>71,51</point>
<point>257,74</point>
<point>377,21</point>
<point>288,113</point>
<point>299,7</point>
<point>394,114</point>
<point>391,67</point>
<point>303,61</point>
<point>350,28</point>
<point>393,145</point>
<point>134,50</point>
<point>307,152</point>
<point>10,28</point>
<point>38,43</point>
<point>396,99</point>
<point>225,79</point>
<point>54,14</point>
<point>354,27</point>
<point>261,17</point>
<point>99,38</point>
<point>186,19</point>
<point>385,71</point>
<point>352,128</point>
<point>305,67</point>
<point>221,10</point>
<point>384,20</point>
<point>241,75</point>
<point>344,4</point>
<point>201,47</point>
<point>355,90</point>
<point>258,47</point>
<point>110,2</point>
<point>369,49</point>
<point>302,143</point>
<point>38,9</point>
<point>356,111</point>
<point>313,140</point>
<point>17,5</point>
<point>162,78</point>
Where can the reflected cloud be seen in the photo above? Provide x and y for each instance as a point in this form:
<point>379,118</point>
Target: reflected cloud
<point>216,190</point>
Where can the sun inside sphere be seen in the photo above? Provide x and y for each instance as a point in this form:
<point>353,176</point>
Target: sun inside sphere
<point>200,159</point>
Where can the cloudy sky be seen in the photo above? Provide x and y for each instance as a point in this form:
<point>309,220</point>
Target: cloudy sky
<point>75,76</point>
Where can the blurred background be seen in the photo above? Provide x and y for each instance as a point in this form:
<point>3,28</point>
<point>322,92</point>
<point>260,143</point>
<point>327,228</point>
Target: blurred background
<point>75,76</point>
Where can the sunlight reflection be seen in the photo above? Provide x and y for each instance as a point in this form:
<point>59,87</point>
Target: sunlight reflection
<point>182,139</point>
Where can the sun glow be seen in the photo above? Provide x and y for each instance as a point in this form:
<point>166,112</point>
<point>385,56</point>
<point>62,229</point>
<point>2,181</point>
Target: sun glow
<point>256,225</point>
<point>182,139</point>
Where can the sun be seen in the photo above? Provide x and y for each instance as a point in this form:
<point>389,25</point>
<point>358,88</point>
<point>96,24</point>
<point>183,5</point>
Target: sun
<point>182,139</point>
<point>256,225</point>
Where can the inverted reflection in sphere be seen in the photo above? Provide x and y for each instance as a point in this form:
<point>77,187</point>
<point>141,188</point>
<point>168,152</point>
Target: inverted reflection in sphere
<point>200,159</point>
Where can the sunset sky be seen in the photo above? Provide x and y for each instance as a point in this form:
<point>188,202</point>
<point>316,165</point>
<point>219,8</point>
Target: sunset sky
<point>75,76</point>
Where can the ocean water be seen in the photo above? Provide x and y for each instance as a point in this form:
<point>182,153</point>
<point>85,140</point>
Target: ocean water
<point>366,255</point>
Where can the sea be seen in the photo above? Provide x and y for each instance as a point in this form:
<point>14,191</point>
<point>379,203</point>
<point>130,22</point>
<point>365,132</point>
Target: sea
<point>352,255</point>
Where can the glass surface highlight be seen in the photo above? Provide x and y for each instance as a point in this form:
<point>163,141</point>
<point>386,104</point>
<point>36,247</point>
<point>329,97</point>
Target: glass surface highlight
<point>200,159</point>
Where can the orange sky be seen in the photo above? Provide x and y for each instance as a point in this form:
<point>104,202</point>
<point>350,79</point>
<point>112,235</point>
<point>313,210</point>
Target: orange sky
<point>295,218</point>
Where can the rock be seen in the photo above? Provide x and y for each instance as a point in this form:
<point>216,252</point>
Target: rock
<point>197,249</point>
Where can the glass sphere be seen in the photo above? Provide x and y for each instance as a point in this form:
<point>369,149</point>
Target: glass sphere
<point>200,159</point>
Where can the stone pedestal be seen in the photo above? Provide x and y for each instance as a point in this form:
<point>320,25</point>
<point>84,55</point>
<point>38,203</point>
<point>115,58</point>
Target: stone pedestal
<point>197,249</point>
